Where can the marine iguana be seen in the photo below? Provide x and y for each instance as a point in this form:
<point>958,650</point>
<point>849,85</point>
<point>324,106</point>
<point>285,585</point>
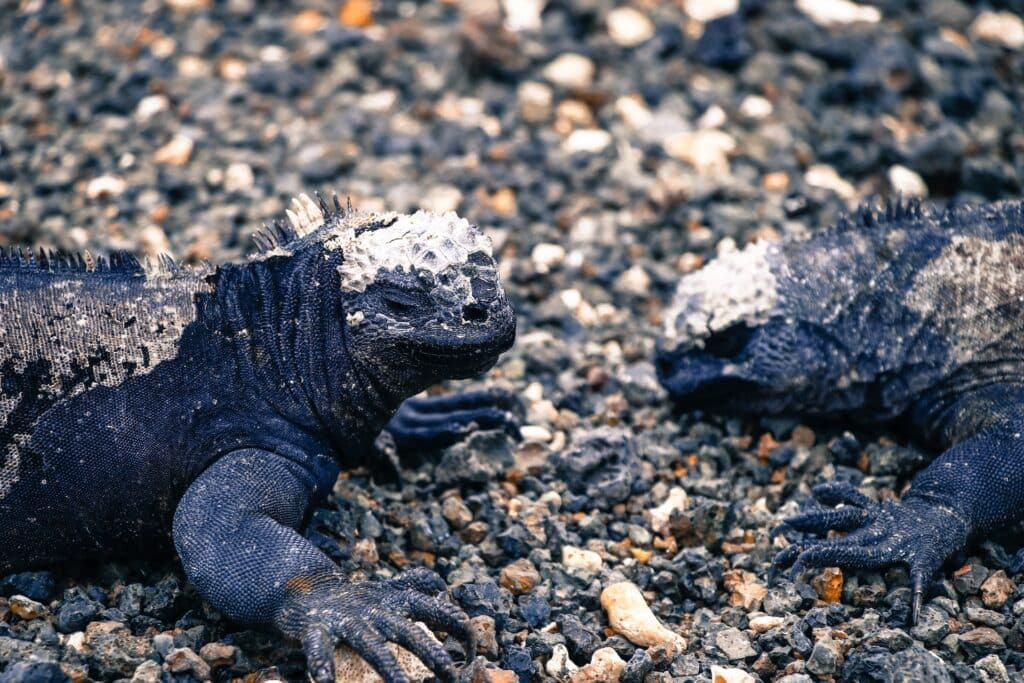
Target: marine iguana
<point>218,406</point>
<point>904,314</point>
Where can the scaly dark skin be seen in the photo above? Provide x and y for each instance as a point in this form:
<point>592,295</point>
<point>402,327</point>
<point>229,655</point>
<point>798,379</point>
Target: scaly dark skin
<point>142,407</point>
<point>907,315</point>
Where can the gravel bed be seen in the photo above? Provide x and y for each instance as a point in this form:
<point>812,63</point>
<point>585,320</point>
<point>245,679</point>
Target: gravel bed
<point>607,147</point>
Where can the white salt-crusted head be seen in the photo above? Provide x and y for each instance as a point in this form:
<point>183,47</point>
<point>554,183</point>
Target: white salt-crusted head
<point>737,287</point>
<point>423,241</point>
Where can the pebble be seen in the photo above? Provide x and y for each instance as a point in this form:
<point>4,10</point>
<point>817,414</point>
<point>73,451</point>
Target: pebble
<point>755,107</point>
<point>661,516</point>
<point>825,177</point>
<point>579,558</point>
<point>105,186</point>
<point>997,589</point>
<point>570,70</point>
<point>185,661</point>
<point>829,584</point>
<point>605,667</point>
<point>546,256</point>
<point>535,433</point>
<point>238,177</point>
<point>734,644</point>
<point>1003,28</point>
<point>981,641</point>
<point>706,150</point>
<point>824,660</point>
<point>442,198</point>
<point>519,577</point>
<point>523,15</point>
<point>26,608</point>
<point>534,101</point>
<point>709,10</point>
<point>176,152</point>
<point>763,623</point>
<point>153,241</point>
<point>838,12</point>
<point>992,670</point>
<point>629,27</point>
<point>906,182</point>
<point>150,106</point>
<point>587,140</point>
<point>721,674</point>
<point>351,668</point>
<point>631,616</point>
<point>559,666</point>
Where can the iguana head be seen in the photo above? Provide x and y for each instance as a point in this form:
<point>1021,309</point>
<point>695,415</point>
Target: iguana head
<point>418,294</point>
<point>731,341</point>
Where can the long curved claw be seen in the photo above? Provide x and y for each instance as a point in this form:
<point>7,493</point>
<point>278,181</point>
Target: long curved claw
<point>426,649</point>
<point>319,648</point>
<point>833,493</point>
<point>372,647</point>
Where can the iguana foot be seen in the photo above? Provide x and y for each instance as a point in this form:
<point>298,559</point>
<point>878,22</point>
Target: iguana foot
<point>917,532</point>
<point>325,611</point>
<point>438,421</point>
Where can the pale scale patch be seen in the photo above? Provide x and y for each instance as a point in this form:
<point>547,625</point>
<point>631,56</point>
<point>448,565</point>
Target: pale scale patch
<point>974,291</point>
<point>738,286</point>
<point>423,241</point>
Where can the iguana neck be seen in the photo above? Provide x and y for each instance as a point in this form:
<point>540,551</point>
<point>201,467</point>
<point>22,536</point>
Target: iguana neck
<point>289,341</point>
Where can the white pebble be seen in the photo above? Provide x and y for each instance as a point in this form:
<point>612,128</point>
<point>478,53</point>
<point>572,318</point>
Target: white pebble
<point>838,12</point>
<point>105,186</point>
<point>238,177</point>
<point>535,433</point>
<point>720,674</point>
<point>708,10</point>
<point>559,666</point>
<point>1004,28</point>
<point>661,515</point>
<point>605,667</point>
<point>587,141</point>
<point>580,558</point>
<point>631,616</point>
<point>534,101</point>
<point>523,15</point>
<point>629,27</point>
<point>755,107</point>
<point>907,182</point>
<point>150,106</point>
<point>763,623</point>
<point>705,150</point>
<point>546,256</point>
<point>824,176</point>
<point>713,117</point>
<point>633,111</point>
<point>570,70</point>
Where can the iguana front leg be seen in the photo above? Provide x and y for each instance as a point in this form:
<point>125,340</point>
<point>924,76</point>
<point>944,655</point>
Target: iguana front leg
<point>974,487</point>
<point>235,531</point>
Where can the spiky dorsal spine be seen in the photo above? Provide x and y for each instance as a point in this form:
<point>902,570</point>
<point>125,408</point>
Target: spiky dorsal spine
<point>305,215</point>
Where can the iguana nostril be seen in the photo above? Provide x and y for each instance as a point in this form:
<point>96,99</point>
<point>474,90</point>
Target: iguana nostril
<point>474,313</point>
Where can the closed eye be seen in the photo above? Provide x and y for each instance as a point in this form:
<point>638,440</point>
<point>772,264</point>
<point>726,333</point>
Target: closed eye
<point>729,342</point>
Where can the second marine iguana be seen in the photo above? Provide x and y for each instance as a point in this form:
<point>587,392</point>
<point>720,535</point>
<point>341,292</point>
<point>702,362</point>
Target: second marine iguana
<point>217,407</point>
<point>907,314</point>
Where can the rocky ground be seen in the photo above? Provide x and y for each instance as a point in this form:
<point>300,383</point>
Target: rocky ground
<point>607,148</point>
